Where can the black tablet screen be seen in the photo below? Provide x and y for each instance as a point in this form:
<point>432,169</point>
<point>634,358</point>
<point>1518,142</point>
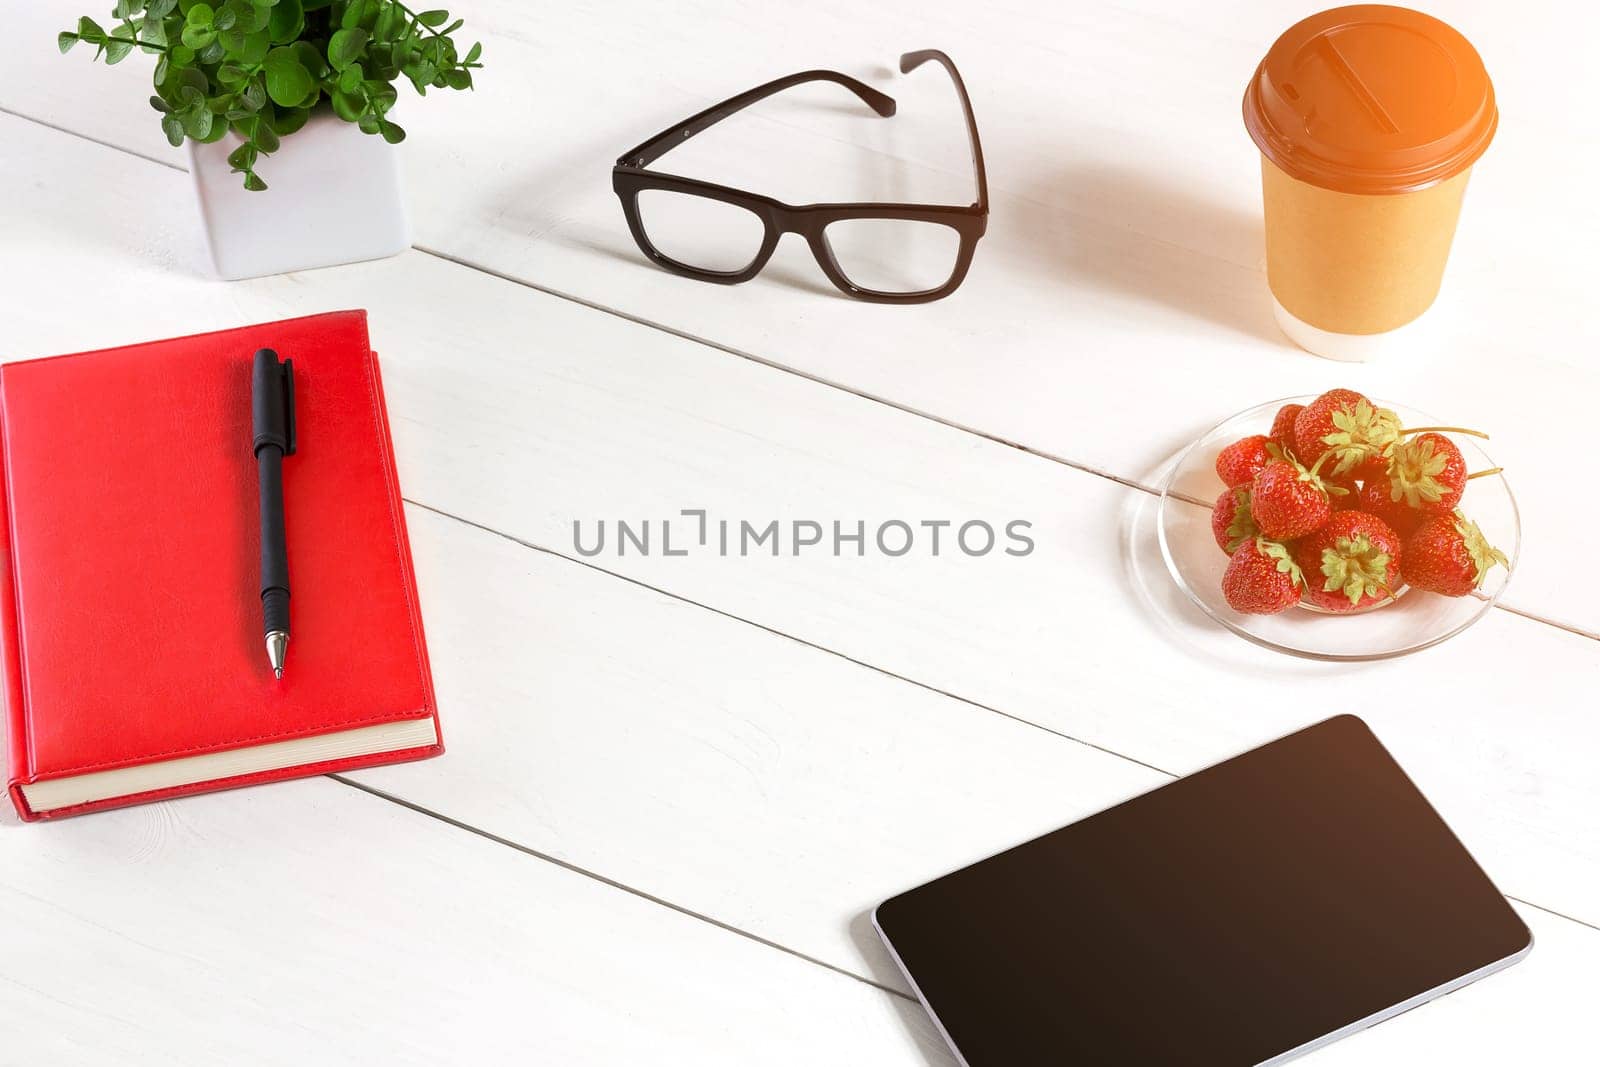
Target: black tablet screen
<point>1224,919</point>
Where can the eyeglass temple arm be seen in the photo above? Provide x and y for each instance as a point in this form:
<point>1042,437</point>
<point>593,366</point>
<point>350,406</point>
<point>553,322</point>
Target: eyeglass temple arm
<point>669,139</point>
<point>910,62</point>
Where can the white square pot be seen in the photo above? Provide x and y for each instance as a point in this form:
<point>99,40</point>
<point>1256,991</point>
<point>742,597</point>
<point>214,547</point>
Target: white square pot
<point>333,196</point>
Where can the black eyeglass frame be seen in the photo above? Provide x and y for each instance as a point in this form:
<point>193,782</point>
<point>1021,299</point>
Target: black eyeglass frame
<point>630,177</point>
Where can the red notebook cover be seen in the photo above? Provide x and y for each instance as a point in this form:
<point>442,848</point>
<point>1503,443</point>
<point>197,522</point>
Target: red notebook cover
<point>130,606</point>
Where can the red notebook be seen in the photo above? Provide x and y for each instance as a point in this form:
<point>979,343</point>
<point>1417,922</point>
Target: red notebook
<point>132,657</point>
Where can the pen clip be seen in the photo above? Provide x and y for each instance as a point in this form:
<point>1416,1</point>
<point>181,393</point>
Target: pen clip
<point>288,406</point>
<point>272,417</point>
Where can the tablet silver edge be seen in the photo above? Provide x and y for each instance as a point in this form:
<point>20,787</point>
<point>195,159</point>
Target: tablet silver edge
<point>938,1024</point>
<point>1401,1008</point>
<point>1300,1050</point>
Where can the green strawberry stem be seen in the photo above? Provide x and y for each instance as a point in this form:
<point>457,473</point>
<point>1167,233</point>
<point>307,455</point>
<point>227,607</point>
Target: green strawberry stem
<point>1311,474</point>
<point>1443,429</point>
<point>1484,474</point>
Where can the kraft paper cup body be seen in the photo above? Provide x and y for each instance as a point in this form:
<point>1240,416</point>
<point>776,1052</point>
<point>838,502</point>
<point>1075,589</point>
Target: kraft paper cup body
<point>1348,270</point>
<point>1369,120</point>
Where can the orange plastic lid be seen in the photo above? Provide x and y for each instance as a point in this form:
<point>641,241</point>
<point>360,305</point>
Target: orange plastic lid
<point>1371,99</point>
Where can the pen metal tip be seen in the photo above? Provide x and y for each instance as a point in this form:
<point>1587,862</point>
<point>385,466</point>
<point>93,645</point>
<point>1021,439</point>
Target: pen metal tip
<point>277,646</point>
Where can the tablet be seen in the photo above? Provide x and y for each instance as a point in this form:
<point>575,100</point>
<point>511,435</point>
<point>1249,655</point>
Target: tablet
<point>1244,915</point>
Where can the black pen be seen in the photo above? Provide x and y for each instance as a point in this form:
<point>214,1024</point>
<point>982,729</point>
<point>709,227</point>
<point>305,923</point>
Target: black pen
<point>272,418</point>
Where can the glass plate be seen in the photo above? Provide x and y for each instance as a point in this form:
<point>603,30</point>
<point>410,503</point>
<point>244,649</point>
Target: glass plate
<point>1409,623</point>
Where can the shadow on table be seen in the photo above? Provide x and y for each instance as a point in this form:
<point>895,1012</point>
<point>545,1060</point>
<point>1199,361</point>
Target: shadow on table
<point>8,813</point>
<point>1154,239</point>
<point>1174,617</point>
<point>787,267</point>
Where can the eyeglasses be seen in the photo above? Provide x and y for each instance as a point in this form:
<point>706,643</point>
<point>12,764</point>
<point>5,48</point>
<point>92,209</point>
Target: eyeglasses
<point>887,253</point>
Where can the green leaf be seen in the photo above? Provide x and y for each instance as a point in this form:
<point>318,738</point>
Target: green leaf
<point>379,62</point>
<point>197,36</point>
<point>369,122</point>
<point>458,79</point>
<point>153,35</point>
<point>292,120</point>
<point>266,138</point>
<point>288,19</point>
<point>201,15</point>
<point>473,53</point>
<point>255,48</point>
<point>260,17</point>
<point>350,79</point>
<point>226,19</point>
<point>197,122</point>
<point>232,39</point>
<point>348,106</point>
<point>117,51</point>
<point>90,30</point>
<point>311,58</point>
<point>391,20</point>
<point>433,18</point>
<point>126,9</point>
<point>172,126</point>
<point>160,105</point>
<point>218,131</point>
<point>345,47</point>
<point>159,9</point>
<point>390,132</point>
<point>254,96</point>
<point>243,157</point>
<point>383,96</point>
<point>193,78</point>
<point>353,14</point>
<point>288,81</point>
<point>182,55</point>
<point>65,41</point>
<point>232,76</point>
<point>254,184</point>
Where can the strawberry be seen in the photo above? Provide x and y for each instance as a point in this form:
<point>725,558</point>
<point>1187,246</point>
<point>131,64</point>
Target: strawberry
<point>1349,424</point>
<point>1352,562</point>
<point>1238,463</point>
<point>1448,554</point>
<point>1372,468</point>
<point>1282,432</point>
<point>1342,494</point>
<point>1289,501</point>
<point>1375,498</point>
<point>1231,523</point>
<point>1427,472</point>
<point>1262,578</point>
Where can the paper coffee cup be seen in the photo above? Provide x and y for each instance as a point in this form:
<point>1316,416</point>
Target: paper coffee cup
<point>1369,119</point>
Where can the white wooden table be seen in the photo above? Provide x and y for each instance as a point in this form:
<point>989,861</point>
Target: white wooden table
<point>675,786</point>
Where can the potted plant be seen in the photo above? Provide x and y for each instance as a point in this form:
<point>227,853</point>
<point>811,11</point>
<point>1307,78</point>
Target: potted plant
<point>291,95</point>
